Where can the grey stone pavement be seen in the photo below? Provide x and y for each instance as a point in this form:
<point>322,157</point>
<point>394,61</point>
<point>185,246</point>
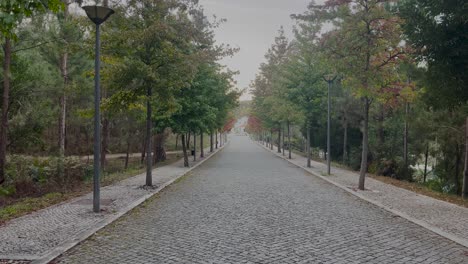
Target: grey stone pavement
<point>42,234</point>
<point>444,218</point>
<point>247,206</point>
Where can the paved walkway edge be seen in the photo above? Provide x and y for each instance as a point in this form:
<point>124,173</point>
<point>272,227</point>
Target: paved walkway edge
<point>59,250</point>
<point>459,240</point>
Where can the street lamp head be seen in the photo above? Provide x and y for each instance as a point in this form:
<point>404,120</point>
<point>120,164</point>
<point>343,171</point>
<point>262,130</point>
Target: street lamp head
<point>98,14</point>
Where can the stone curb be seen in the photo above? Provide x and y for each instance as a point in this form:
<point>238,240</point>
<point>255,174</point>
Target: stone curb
<point>458,240</point>
<point>59,250</point>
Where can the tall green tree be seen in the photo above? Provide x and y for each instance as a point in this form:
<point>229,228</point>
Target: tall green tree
<point>12,13</point>
<point>364,44</point>
<point>437,30</point>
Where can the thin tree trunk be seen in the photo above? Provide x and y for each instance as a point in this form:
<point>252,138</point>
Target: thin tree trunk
<point>426,155</point>
<point>194,146</point>
<point>465,173</point>
<point>127,154</point>
<point>105,138</point>
<point>308,146</point>
<point>211,141</point>
<point>271,139</point>
<point>63,109</point>
<point>345,141</point>
<point>289,140</point>
<point>304,144</point>
<point>202,151</point>
<point>5,104</point>
<point>220,139</point>
<point>282,142</point>
<point>216,133</point>
<point>184,150</point>
<point>405,142</point>
<point>279,140</point>
<point>143,151</point>
<point>149,160</point>
<point>365,145</point>
<point>457,169</point>
<point>189,137</point>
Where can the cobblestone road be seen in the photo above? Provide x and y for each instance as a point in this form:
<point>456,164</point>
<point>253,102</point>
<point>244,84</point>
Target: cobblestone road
<point>247,206</point>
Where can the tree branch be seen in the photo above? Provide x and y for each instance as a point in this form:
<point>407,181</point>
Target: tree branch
<point>31,47</point>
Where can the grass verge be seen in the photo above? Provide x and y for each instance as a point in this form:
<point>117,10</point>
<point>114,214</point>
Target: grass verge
<point>26,205</point>
<point>421,189</point>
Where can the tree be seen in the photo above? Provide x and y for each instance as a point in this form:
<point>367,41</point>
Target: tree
<point>154,58</point>
<point>264,103</point>
<point>12,14</point>
<point>437,32</point>
<point>364,44</point>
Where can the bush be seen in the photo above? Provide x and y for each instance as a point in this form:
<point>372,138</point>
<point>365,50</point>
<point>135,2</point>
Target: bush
<point>435,184</point>
<point>33,176</point>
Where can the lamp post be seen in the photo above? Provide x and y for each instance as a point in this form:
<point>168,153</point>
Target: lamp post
<point>329,79</point>
<point>97,14</point>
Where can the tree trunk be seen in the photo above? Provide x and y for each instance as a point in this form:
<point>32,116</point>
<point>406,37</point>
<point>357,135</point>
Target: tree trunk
<point>308,146</point>
<point>282,142</point>
<point>289,140</point>
<point>105,139</point>
<point>184,150</point>
<point>194,146</point>
<point>5,104</point>
<point>220,139</point>
<point>271,139</point>
<point>149,160</point>
<point>457,169</point>
<point>127,153</point>
<point>189,137</point>
<point>211,141</point>
<point>216,133</point>
<point>465,173</point>
<point>143,151</point>
<point>304,144</point>
<point>279,140</point>
<point>365,145</point>
<point>405,142</point>
<point>345,142</point>
<point>426,156</point>
<point>159,149</point>
<point>202,151</point>
<point>63,111</point>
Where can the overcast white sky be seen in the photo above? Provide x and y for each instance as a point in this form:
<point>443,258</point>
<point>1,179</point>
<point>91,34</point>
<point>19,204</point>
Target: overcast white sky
<point>252,26</point>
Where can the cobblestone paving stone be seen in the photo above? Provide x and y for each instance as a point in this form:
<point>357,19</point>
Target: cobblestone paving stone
<point>32,236</point>
<point>247,206</point>
<point>450,218</point>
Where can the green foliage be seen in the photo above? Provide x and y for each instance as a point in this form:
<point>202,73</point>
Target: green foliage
<point>437,32</point>
<point>12,12</point>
